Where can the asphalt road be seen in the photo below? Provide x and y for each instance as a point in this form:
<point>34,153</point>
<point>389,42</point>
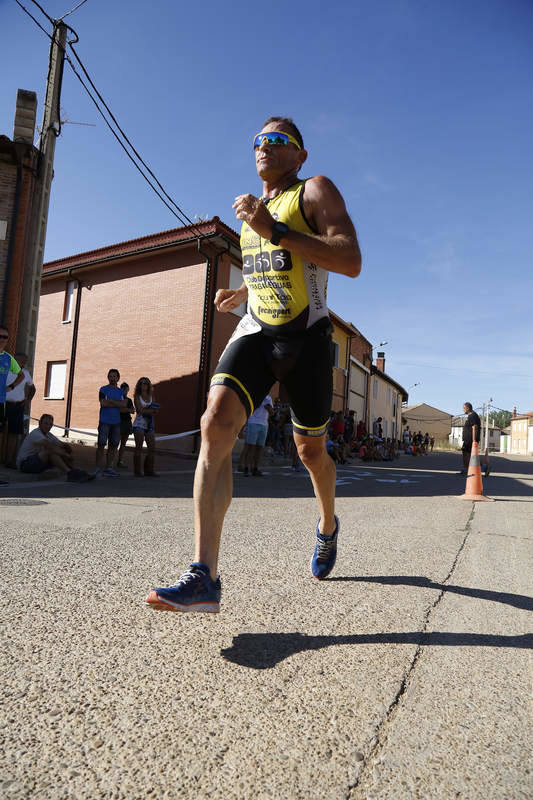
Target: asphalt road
<point>403,676</point>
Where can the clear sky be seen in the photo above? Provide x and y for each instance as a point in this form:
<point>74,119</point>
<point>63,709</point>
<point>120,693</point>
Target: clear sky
<point>420,111</point>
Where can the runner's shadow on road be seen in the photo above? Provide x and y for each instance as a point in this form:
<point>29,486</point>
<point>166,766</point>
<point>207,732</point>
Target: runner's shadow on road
<point>516,600</point>
<point>266,650</point>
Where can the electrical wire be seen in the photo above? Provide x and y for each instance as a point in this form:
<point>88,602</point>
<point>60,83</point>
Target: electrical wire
<point>33,18</point>
<point>72,10</point>
<point>181,216</point>
<point>41,9</point>
<point>125,137</point>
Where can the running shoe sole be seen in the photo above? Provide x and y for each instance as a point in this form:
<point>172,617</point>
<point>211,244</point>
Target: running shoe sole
<point>167,605</point>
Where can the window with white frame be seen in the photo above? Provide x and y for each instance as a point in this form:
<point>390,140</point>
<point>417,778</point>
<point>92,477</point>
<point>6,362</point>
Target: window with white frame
<point>69,298</point>
<point>388,395</point>
<point>235,282</point>
<point>56,372</point>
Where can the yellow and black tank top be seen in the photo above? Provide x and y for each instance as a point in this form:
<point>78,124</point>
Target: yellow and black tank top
<point>286,293</point>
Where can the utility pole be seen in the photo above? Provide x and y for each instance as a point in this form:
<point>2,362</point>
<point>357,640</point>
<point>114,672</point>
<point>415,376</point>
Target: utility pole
<point>50,130</point>
<point>482,431</point>
<point>487,426</point>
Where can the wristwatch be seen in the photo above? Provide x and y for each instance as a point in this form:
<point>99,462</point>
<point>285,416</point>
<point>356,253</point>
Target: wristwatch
<point>279,230</point>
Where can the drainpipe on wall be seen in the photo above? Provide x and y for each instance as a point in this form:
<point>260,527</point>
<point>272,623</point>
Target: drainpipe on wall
<point>73,349</point>
<point>207,331</point>
<point>347,382</point>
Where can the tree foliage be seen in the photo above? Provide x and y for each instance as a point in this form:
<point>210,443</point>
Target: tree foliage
<point>500,419</point>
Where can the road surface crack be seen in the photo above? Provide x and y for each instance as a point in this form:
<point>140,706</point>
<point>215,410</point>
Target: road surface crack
<point>379,740</point>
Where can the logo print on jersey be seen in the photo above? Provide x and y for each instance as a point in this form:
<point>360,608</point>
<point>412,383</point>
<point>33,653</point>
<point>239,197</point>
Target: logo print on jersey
<point>262,262</point>
<point>281,260</point>
<point>248,265</point>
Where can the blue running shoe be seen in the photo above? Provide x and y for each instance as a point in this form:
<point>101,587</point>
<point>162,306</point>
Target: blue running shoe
<point>325,553</point>
<point>194,591</point>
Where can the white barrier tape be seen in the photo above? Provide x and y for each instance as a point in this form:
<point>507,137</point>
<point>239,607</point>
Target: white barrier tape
<point>92,433</point>
<point>176,435</point>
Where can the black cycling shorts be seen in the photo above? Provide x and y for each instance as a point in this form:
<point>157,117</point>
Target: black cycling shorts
<point>252,363</point>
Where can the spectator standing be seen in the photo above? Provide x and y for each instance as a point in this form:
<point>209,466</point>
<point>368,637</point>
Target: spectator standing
<point>126,427</point>
<point>275,428</point>
<point>471,434</point>
<point>432,442</point>
<point>18,400</point>
<point>377,430</point>
<point>7,364</point>
<point>144,427</point>
<point>337,425</point>
<point>406,437</point>
<point>349,426</point>
<point>361,430</point>
<point>111,402</point>
<point>256,436</point>
<point>41,450</point>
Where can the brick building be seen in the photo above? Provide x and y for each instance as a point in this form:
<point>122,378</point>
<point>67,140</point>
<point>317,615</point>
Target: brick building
<point>144,307</point>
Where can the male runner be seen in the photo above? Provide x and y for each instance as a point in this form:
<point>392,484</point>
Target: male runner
<point>291,237</point>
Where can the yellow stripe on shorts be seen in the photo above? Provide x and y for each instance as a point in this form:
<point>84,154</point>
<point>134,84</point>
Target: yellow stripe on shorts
<point>239,384</point>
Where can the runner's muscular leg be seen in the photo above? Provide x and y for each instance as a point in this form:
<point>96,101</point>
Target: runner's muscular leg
<point>213,483</point>
<point>313,453</point>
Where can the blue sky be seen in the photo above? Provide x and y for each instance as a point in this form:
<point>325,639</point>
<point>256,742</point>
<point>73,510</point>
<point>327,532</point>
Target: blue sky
<point>420,111</point>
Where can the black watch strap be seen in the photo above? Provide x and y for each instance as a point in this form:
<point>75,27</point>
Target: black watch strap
<point>279,229</point>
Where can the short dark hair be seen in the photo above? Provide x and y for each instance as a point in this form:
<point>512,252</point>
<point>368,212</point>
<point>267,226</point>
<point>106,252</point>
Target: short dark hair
<point>288,123</point>
<point>469,406</point>
<point>46,415</point>
<point>109,371</point>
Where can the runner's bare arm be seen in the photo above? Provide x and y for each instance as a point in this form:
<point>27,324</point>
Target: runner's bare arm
<point>335,248</point>
<point>228,299</point>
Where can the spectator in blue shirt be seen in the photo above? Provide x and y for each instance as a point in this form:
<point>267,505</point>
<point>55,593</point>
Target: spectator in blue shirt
<point>111,402</point>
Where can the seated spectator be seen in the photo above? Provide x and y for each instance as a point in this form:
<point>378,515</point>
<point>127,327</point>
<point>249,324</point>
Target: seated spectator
<point>364,452</point>
<point>41,450</point>
<point>361,431</point>
<point>333,449</point>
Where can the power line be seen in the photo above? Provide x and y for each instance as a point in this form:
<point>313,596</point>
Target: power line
<point>180,210</point>
<point>41,9</point>
<point>72,10</point>
<point>181,216</point>
<point>33,18</point>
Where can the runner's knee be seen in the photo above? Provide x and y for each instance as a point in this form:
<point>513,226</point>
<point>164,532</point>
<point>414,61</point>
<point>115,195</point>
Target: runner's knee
<point>311,453</point>
<point>218,426</point>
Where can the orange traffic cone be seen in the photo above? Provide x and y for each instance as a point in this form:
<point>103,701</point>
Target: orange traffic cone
<point>474,484</point>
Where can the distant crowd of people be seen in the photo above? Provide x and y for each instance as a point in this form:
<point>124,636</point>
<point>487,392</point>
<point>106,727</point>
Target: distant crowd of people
<point>270,426</point>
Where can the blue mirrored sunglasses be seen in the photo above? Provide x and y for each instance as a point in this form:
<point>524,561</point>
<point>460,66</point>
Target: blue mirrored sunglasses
<point>275,137</point>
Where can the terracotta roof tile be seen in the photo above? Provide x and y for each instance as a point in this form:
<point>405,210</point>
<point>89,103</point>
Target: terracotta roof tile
<point>174,235</point>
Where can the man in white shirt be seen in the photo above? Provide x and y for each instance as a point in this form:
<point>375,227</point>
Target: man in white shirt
<point>256,434</point>
<point>41,450</point>
<point>17,403</point>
